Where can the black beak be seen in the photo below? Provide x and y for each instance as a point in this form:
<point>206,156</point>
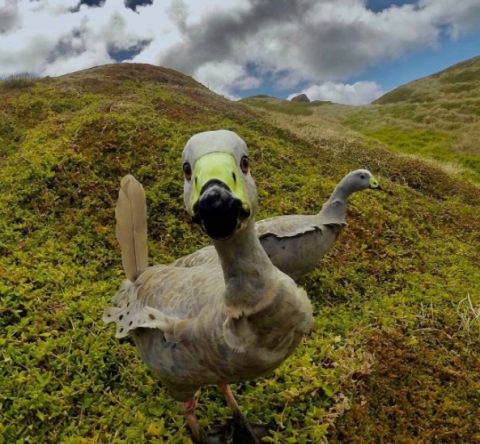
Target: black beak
<point>218,210</point>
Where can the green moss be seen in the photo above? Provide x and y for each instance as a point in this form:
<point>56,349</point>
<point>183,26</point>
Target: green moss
<point>457,88</point>
<point>413,141</point>
<point>385,409</point>
<point>409,252</point>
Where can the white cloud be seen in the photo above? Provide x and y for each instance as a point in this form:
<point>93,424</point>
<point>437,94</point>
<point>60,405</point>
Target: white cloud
<point>8,16</point>
<point>287,41</point>
<point>53,40</point>
<point>358,93</point>
<point>460,17</point>
<point>224,77</point>
<point>316,41</point>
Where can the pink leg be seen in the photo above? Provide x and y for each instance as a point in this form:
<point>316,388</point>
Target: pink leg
<point>231,401</point>
<point>188,409</point>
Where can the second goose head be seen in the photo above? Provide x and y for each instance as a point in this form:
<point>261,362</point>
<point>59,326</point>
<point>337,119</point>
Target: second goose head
<point>359,180</point>
<point>219,191</point>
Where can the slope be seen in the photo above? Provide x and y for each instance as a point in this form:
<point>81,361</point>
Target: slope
<point>437,117</point>
<point>392,300</point>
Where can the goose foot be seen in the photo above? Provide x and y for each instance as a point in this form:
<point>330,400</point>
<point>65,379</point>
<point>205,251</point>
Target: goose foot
<point>261,430</point>
<point>198,433</point>
<point>243,432</point>
<point>219,434</point>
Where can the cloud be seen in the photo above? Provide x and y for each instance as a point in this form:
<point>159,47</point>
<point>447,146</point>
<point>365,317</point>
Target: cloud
<point>226,33</point>
<point>224,77</point>
<point>287,42</point>
<point>310,40</point>
<point>55,38</point>
<point>358,93</point>
<point>458,17</point>
<point>178,14</point>
<point>9,16</point>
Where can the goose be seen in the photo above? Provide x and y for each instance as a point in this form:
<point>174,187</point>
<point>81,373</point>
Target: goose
<point>232,321</point>
<point>297,243</point>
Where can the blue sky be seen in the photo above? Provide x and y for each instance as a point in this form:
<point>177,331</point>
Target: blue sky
<point>380,5</point>
<point>390,73</point>
<point>347,51</point>
<point>417,64</point>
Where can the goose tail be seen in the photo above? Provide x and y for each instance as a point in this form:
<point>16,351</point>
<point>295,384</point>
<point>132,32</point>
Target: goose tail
<point>130,313</point>
<point>131,227</point>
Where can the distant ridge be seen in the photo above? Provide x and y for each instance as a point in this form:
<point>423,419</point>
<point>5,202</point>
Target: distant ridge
<point>135,72</point>
<point>456,79</point>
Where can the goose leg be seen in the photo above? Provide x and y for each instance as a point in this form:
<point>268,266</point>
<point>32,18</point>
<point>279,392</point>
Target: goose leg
<point>198,434</point>
<point>242,430</point>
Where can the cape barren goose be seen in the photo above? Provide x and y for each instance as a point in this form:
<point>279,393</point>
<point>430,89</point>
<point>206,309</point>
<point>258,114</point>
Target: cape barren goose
<point>220,323</point>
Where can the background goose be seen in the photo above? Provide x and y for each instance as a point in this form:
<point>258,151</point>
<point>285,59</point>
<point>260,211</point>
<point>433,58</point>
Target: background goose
<point>297,243</point>
<point>208,324</point>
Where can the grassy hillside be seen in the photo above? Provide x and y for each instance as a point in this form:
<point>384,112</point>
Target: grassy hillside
<point>437,117</point>
<point>270,103</point>
<point>395,351</point>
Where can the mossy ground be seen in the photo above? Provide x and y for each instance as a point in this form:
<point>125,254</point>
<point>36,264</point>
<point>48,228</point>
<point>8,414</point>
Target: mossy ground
<point>395,348</point>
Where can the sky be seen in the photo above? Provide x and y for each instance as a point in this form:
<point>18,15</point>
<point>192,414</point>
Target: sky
<point>346,51</point>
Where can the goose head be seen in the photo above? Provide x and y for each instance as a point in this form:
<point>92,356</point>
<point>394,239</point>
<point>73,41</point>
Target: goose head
<point>359,180</point>
<point>219,191</point>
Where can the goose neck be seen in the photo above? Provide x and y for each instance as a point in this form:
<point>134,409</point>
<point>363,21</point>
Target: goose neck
<point>247,270</point>
<point>335,208</point>
<point>340,193</point>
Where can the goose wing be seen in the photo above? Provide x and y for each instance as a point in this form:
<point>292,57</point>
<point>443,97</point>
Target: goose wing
<point>286,226</point>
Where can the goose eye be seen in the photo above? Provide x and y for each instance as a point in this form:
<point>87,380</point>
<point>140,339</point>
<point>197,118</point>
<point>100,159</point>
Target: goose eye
<point>362,176</point>
<point>187,170</point>
<point>244,164</point>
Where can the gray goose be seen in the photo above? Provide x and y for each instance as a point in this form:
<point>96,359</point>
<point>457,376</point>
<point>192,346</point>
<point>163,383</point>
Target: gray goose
<point>232,321</point>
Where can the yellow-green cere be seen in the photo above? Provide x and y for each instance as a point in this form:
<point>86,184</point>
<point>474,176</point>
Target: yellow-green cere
<point>220,166</point>
<point>373,182</point>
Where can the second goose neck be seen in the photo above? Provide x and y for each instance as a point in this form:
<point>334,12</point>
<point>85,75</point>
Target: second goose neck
<point>340,193</point>
<point>335,208</point>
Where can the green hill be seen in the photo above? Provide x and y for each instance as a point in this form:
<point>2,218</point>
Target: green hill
<point>274,104</point>
<point>395,351</point>
<point>437,117</point>
<point>450,85</point>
